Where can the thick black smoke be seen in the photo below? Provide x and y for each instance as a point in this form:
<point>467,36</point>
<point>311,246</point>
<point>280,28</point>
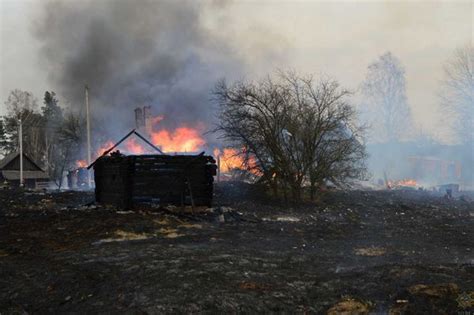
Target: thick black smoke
<point>134,53</point>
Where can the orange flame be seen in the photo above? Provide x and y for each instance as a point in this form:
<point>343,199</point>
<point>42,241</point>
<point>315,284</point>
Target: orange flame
<point>81,163</point>
<point>230,159</point>
<point>131,145</point>
<point>402,183</point>
<point>104,147</point>
<point>408,182</point>
<point>183,139</point>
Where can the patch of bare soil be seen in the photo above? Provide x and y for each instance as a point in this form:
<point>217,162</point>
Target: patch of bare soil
<point>357,252</point>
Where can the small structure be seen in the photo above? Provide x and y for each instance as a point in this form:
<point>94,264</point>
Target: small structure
<point>33,176</point>
<point>125,181</point>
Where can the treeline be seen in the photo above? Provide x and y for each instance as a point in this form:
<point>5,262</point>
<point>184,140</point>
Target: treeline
<point>51,134</point>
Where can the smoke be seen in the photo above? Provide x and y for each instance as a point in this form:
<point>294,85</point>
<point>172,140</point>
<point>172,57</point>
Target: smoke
<point>170,53</point>
<point>133,53</point>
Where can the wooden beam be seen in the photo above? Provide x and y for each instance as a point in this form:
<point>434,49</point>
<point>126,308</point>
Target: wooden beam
<point>148,142</point>
<point>113,147</point>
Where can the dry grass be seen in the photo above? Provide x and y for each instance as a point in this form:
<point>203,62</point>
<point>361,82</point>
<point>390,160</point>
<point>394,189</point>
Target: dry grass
<point>349,306</point>
<point>370,251</point>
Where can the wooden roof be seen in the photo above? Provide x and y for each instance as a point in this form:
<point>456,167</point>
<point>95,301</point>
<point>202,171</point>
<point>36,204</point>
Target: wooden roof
<point>10,158</point>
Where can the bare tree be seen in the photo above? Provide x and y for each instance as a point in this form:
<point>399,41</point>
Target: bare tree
<point>384,90</point>
<point>457,94</point>
<point>23,105</point>
<point>252,116</point>
<point>69,135</point>
<point>332,139</point>
<point>53,121</point>
<point>19,101</point>
<point>294,129</point>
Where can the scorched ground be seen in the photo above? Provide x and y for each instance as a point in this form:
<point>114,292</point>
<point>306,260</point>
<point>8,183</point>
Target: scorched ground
<point>377,251</point>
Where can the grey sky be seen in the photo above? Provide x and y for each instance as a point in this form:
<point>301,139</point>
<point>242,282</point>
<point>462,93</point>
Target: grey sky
<point>336,38</point>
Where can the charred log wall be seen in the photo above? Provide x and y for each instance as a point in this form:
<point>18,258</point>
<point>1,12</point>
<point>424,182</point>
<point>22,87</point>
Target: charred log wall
<point>125,181</point>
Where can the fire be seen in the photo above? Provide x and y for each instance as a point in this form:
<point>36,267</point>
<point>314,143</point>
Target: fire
<point>132,145</point>
<point>402,183</point>
<point>229,159</point>
<point>408,182</point>
<point>81,163</point>
<point>104,147</point>
<point>182,139</point>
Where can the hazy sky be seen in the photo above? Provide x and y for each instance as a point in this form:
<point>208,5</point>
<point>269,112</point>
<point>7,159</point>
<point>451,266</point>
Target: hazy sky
<point>336,38</point>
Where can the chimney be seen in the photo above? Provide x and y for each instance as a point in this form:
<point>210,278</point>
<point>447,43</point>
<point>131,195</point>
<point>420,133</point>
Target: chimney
<point>139,121</point>
<point>148,121</point>
<point>144,120</point>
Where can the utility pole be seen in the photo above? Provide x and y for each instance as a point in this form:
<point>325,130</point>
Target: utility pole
<point>89,182</point>
<point>20,140</point>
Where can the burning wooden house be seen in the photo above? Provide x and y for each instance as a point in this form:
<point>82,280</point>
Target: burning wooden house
<point>128,180</point>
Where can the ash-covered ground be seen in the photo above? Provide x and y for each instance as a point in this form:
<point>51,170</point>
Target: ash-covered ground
<point>397,252</point>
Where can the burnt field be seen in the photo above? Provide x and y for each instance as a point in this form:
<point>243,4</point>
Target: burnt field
<point>403,252</point>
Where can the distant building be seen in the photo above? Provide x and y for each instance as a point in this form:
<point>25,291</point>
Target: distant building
<point>33,176</point>
<point>429,163</point>
<point>434,169</point>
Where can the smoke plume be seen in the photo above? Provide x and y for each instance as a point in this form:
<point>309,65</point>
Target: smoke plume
<point>133,53</point>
